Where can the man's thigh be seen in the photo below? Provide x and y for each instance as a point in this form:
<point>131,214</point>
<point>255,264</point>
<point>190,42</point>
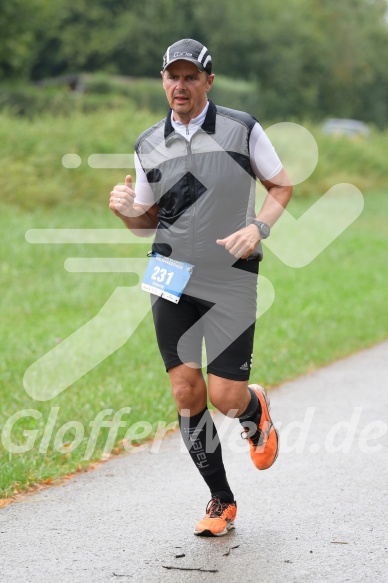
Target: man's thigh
<point>229,329</point>
<point>174,322</point>
<point>230,352</point>
<point>224,313</point>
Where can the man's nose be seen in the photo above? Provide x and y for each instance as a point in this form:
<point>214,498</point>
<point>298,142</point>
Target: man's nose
<point>181,83</point>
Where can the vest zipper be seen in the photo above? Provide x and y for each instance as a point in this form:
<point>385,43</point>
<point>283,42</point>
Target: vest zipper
<point>193,209</point>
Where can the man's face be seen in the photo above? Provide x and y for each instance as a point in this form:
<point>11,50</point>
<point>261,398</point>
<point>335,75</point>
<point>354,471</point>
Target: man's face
<point>186,88</point>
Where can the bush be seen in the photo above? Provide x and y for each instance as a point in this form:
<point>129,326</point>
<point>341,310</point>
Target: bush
<point>236,94</point>
<point>88,92</point>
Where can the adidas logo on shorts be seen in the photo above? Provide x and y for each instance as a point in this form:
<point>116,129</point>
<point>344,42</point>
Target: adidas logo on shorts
<point>244,366</point>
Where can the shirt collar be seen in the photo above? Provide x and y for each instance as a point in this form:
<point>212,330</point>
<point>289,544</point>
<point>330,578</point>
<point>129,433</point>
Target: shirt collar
<point>196,121</point>
<point>208,125</point>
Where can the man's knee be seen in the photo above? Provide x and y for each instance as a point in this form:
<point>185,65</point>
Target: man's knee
<point>188,388</point>
<point>229,397</point>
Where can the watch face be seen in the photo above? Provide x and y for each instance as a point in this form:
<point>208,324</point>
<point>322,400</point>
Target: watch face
<point>263,228</point>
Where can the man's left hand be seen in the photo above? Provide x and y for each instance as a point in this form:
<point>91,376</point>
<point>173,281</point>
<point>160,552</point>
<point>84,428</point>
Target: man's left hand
<point>241,243</point>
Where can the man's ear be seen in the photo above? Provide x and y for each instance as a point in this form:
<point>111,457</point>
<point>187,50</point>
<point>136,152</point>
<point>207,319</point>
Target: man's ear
<point>210,81</point>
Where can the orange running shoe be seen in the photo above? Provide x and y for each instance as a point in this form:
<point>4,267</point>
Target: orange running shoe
<point>218,520</point>
<point>264,440</point>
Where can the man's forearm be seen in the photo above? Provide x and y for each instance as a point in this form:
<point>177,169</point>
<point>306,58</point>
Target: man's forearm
<point>279,191</point>
<point>274,204</point>
<point>142,222</point>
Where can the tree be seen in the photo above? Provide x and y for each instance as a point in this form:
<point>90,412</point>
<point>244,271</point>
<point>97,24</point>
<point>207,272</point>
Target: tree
<point>307,58</point>
<point>20,24</point>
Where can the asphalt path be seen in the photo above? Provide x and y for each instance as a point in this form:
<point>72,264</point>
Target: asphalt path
<point>320,514</point>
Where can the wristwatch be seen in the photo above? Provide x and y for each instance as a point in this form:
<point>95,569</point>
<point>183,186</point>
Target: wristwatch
<point>263,228</point>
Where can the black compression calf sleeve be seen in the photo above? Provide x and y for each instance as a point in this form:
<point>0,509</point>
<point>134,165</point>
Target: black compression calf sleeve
<point>200,436</point>
<point>253,411</point>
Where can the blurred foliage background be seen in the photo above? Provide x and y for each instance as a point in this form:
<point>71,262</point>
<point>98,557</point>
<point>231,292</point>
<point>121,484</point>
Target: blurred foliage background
<point>305,59</point>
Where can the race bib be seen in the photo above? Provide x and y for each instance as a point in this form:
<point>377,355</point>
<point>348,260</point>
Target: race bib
<point>166,277</point>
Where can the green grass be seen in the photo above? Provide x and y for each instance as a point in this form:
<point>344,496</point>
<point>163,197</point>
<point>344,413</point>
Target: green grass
<point>332,307</point>
<point>32,174</point>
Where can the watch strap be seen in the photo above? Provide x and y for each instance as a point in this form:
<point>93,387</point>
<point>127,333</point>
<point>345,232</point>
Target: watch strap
<point>263,228</point>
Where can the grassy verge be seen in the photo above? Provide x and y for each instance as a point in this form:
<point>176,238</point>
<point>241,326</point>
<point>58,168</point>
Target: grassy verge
<point>332,307</point>
<point>32,174</point>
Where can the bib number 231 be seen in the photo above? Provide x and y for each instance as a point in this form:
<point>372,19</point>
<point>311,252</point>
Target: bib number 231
<point>166,277</point>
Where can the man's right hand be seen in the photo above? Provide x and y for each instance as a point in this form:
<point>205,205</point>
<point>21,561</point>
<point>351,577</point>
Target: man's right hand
<point>122,198</point>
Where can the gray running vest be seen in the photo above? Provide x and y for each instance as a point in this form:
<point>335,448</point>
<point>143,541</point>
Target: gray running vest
<point>205,188</point>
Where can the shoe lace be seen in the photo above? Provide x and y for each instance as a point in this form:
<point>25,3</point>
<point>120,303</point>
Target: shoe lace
<point>216,508</point>
<point>254,436</point>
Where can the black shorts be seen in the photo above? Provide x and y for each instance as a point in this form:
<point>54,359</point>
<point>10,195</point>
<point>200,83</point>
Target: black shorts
<point>222,313</point>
